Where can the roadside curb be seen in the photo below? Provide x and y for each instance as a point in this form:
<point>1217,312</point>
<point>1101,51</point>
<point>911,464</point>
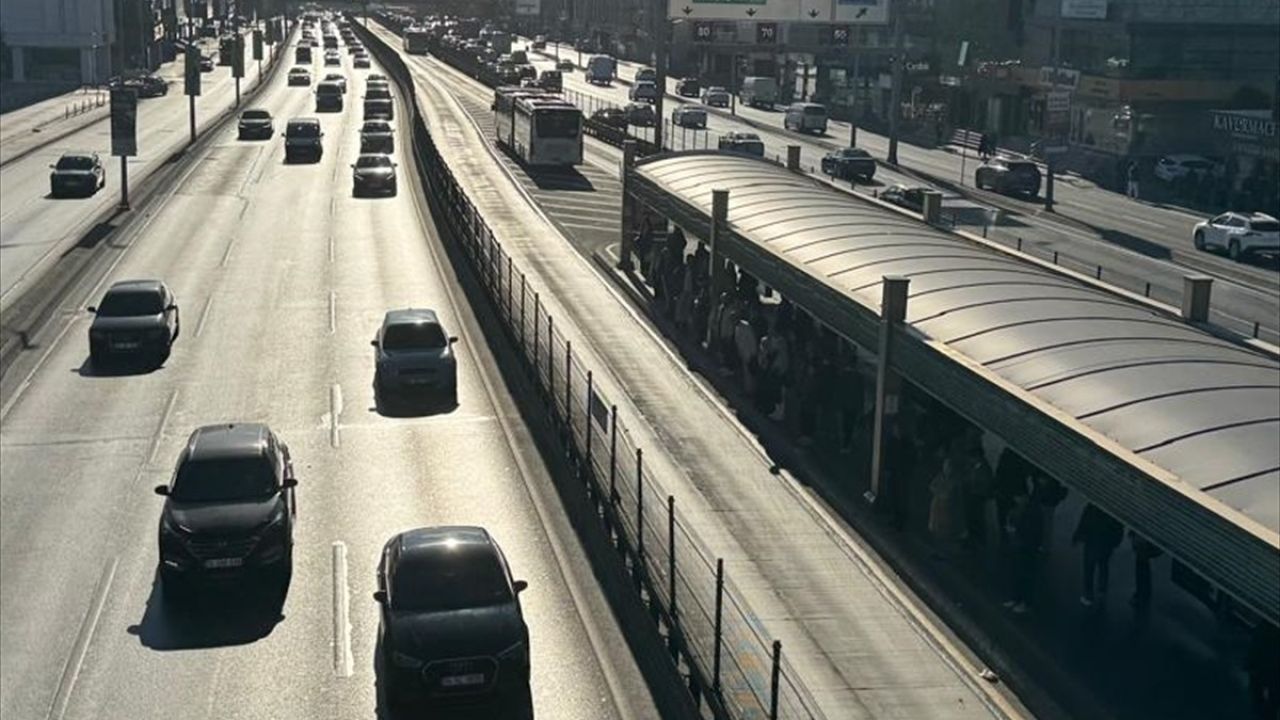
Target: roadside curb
<point>88,118</point>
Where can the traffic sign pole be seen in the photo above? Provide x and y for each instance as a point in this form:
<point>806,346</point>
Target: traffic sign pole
<point>192,116</point>
<point>124,183</point>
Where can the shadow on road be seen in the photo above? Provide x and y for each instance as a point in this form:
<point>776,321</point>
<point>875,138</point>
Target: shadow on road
<point>237,615</point>
<point>412,407</point>
<point>568,179</point>
<point>119,368</point>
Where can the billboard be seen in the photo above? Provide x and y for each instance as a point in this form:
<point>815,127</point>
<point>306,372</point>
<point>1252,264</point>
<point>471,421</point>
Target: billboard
<point>868,12</point>
<point>124,123</point>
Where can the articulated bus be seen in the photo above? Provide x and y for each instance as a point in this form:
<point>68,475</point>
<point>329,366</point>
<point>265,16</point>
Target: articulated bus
<point>538,127</point>
<point>415,40</point>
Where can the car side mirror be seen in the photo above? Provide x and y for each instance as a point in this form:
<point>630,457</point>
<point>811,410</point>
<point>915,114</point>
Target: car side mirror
<point>380,596</point>
<point>289,482</point>
<point>172,306</point>
<point>453,339</point>
<point>374,342</point>
<point>52,166</point>
<point>162,490</point>
<point>520,586</point>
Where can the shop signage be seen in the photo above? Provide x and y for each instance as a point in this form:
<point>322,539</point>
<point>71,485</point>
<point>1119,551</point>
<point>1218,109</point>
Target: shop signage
<point>1059,77</point>
<point>1244,126</point>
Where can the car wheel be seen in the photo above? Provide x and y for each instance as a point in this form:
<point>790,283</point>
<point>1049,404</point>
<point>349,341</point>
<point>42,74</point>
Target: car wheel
<point>1198,240</point>
<point>1233,250</point>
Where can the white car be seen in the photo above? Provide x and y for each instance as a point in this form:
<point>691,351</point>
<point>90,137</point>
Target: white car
<point>1240,234</point>
<point>1172,167</point>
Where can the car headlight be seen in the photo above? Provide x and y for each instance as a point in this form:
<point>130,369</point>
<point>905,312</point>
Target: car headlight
<point>402,660</point>
<point>517,653</point>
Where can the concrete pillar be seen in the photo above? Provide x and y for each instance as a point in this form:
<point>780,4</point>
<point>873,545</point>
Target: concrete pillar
<point>1195,298</point>
<point>893,310</point>
<point>18,56</point>
<point>793,158</point>
<point>628,206</point>
<point>932,209</point>
<point>719,214</point>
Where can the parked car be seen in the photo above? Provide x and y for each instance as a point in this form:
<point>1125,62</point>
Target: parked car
<point>413,355</point>
<point>377,136</point>
<point>299,76</point>
<point>256,123</point>
<point>688,87</point>
<point>611,116</point>
<point>303,138</point>
<point>716,96</point>
<point>909,197</point>
<point>641,114</point>
<point>1008,176</point>
<point>806,117</point>
<point>1240,234</point>
<point>229,512</point>
<point>643,91</point>
<point>689,116</point>
<point>1173,167</point>
<point>742,142</point>
<point>849,163</point>
<point>77,174</point>
<point>135,320</point>
<point>451,632</point>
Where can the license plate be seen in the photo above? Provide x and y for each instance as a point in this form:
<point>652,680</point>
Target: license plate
<point>125,345</point>
<point>224,562</point>
<point>462,680</point>
<point>418,380</point>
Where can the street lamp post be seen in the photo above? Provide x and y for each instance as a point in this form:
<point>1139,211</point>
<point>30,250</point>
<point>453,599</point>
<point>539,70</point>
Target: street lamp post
<point>853,103</point>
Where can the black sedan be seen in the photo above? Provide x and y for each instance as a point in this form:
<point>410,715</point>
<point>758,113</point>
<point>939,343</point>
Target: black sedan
<point>77,174</point>
<point>688,87</point>
<point>452,634</point>
<point>911,198</point>
<point>373,174</point>
<point>137,319</point>
<point>229,512</point>
<point>256,123</point>
<point>641,114</point>
<point>611,117</point>
<point>849,163</point>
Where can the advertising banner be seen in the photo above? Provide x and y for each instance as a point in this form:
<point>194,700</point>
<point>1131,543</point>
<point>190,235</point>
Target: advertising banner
<point>124,123</point>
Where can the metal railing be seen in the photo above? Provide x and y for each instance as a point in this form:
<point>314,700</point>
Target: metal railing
<point>733,668</point>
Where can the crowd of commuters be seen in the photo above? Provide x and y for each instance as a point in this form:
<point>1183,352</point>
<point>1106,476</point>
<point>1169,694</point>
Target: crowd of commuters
<point>938,482</point>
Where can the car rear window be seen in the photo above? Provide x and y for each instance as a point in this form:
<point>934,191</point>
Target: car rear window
<point>449,579</point>
<point>130,303</point>
<point>256,115</point>
<point>1024,168</point>
<point>410,336</point>
<point>815,110</point>
<point>304,130</point>
<point>1264,225</point>
<point>75,162</point>
<point>224,479</point>
<point>374,126</point>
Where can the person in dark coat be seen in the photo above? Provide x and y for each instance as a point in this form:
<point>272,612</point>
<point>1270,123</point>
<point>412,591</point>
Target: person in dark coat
<point>1100,534</point>
<point>1026,528</point>
<point>1144,551</point>
<point>1011,482</point>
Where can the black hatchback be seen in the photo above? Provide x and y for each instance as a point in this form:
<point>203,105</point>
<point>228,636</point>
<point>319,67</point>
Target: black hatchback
<point>452,634</point>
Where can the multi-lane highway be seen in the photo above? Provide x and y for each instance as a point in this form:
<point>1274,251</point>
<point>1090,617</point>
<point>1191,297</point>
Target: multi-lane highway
<point>282,278</point>
<point>1134,243</point>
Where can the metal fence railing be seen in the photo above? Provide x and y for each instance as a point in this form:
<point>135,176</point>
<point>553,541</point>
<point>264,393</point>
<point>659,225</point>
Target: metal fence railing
<point>733,668</point>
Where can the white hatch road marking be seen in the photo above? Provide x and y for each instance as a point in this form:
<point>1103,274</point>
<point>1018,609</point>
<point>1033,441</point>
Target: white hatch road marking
<point>342,660</point>
<point>333,311</point>
<point>204,316</point>
<point>335,409</point>
<point>71,671</point>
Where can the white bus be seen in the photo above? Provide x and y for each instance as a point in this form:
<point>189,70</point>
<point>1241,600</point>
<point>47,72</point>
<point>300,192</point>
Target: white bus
<point>537,127</point>
<point>415,40</point>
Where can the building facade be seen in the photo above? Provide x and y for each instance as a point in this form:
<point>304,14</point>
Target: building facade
<point>58,40</point>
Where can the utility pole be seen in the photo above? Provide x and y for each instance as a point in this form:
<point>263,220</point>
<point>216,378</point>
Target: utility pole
<point>1050,143</point>
<point>662,27</point>
<point>895,94</point>
<point>853,101</point>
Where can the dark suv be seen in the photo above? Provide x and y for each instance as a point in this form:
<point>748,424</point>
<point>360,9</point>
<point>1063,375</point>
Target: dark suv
<point>136,319</point>
<point>303,138</point>
<point>1009,177</point>
<point>452,634</point>
<point>229,510</point>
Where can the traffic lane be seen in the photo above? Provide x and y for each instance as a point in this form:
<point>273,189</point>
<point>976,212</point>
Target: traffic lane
<point>235,327</point>
<point>33,224</point>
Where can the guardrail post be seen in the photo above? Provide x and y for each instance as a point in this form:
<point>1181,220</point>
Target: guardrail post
<point>510,277</point>
<point>551,362</point>
<point>568,394</point>
<point>537,310</point>
<point>640,569</point>
<point>613,455</point>
<point>719,640</point>
<point>777,671</point>
<point>793,158</point>
<point>673,632</point>
<point>588,420</point>
<point>893,311</point>
<point>522,295</point>
<point>1195,298</point>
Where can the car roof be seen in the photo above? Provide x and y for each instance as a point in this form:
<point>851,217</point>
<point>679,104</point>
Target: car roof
<point>304,121</point>
<point>430,539</point>
<point>227,440</point>
<point>410,316</point>
<point>136,286</point>
<point>85,155</point>
<point>1261,217</point>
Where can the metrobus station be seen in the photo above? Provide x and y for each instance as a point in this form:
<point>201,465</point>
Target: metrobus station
<point>1168,425</point>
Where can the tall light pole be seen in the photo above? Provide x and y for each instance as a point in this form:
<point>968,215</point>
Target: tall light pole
<point>895,94</point>
<point>1053,88</point>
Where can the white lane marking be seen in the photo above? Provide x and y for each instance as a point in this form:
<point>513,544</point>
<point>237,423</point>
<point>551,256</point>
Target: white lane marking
<point>226,255</point>
<point>333,251</point>
<point>343,663</point>
<point>335,410</point>
<point>164,422</point>
<point>204,316</point>
<point>333,311</point>
<point>71,671</point>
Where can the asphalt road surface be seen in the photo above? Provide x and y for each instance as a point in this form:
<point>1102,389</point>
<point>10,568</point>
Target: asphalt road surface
<point>282,278</point>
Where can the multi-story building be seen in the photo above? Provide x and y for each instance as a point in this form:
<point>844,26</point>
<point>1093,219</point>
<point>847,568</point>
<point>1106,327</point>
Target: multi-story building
<point>58,40</point>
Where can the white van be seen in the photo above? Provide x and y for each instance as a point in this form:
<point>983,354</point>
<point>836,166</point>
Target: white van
<point>759,91</point>
<point>806,117</point>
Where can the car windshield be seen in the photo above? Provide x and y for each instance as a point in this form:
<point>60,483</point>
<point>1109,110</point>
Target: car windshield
<point>224,480</point>
<point>558,123</point>
<point>376,127</point>
<point>465,576</point>
<point>130,303</point>
<point>256,115</point>
<point>412,336</point>
<point>815,110</point>
<point>75,162</point>
<point>854,153</point>
<point>304,130</point>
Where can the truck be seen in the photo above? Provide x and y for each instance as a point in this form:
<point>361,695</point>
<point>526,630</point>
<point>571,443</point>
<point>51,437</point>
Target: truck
<point>600,70</point>
<point>758,91</point>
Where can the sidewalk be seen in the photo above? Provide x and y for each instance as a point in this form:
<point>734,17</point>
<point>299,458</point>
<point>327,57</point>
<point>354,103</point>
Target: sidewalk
<point>1063,659</point>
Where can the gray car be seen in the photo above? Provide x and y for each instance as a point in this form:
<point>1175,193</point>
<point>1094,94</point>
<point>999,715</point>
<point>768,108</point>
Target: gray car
<point>137,319</point>
<point>377,136</point>
<point>414,357</point>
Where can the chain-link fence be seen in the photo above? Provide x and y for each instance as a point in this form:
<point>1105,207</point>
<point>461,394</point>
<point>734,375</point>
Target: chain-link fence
<point>734,669</point>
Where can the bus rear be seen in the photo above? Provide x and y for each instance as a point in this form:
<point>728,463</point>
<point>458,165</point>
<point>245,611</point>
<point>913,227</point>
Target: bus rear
<point>555,134</point>
<point>415,41</point>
